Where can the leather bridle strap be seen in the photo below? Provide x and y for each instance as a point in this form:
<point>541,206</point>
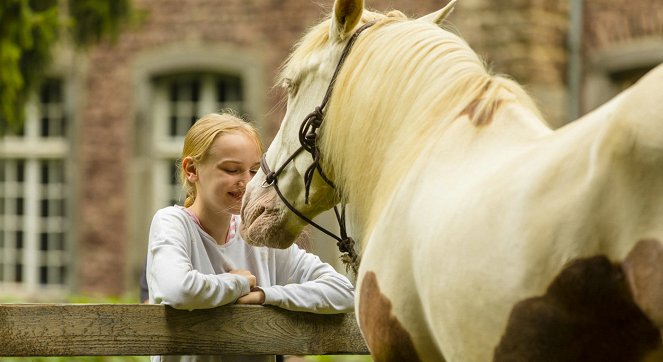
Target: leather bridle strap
<point>344,243</point>
<point>273,181</point>
<point>308,138</point>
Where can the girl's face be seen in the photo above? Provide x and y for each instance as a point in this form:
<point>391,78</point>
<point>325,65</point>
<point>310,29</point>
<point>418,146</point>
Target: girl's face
<point>232,160</point>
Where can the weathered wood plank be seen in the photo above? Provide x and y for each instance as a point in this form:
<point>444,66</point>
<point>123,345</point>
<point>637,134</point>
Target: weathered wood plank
<point>136,329</point>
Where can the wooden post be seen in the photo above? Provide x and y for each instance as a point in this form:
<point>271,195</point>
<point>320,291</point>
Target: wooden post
<point>137,329</point>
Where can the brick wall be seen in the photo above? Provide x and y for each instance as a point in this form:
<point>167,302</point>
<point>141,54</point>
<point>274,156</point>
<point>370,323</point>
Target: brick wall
<point>610,22</point>
<point>622,40</point>
<point>524,39</point>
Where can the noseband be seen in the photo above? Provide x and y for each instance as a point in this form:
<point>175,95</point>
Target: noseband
<point>308,137</point>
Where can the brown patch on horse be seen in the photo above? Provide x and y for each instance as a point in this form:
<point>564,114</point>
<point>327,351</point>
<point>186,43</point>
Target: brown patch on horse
<point>385,336</point>
<point>587,314</point>
<point>643,267</point>
<point>484,116</point>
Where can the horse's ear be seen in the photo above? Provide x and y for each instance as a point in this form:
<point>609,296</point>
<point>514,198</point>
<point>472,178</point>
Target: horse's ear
<point>347,14</point>
<point>439,16</point>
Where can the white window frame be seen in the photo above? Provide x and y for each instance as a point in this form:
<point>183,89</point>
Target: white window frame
<point>167,149</point>
<point>602,64</point>
<point>33,149</point>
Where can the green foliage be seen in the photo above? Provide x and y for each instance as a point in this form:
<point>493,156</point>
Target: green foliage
<point>326,358</point>
<point>78,359</point>
<point>338,358</point>
<point>28,31</point>
<point>129,298</point>
<point>94,19</point>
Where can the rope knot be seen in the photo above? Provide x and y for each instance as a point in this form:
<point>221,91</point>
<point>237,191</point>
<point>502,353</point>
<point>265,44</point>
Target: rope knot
<point>316,117</point>
<point>349,257</point>
<point>270,178</point>
<point>310,139</point>
<point>346,245</point>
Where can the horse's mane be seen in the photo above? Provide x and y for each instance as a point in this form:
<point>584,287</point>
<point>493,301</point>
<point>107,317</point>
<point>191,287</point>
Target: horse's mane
<point>402,86</point>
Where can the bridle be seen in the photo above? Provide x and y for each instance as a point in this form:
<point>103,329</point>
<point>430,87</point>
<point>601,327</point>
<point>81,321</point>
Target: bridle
<point>308,138</point>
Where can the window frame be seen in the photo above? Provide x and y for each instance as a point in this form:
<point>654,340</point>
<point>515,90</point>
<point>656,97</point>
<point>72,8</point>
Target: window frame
<point>601,65</point>
<point>34,149</point>
<point>166,147</point>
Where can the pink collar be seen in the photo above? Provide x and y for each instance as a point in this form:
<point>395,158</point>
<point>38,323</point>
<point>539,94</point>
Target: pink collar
<point>232,228</point>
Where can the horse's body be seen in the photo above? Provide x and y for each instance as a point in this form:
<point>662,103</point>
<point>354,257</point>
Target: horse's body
<point>466,204</point>
<point>491,223</point>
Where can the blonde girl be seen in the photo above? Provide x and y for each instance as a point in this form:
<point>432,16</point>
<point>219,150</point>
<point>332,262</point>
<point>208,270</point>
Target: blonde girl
<point>196,257</point>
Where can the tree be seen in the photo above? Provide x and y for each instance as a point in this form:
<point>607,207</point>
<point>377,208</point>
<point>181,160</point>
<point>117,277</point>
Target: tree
<point>28,31</point>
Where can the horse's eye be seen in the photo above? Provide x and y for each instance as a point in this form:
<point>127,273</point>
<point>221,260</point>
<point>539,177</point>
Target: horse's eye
<point>290,85</point>
<point>287,83</point>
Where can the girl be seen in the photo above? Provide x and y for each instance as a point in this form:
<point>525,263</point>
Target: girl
<point>196,257</point>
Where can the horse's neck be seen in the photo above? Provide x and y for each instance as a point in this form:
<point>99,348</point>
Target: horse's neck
<point>389,155</point>
<point>512,124</point>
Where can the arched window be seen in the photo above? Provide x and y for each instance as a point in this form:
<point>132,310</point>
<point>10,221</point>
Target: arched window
<point>179,100</point>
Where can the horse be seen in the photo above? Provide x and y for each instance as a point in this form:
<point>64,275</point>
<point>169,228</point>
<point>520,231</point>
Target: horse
<point>485,234</point>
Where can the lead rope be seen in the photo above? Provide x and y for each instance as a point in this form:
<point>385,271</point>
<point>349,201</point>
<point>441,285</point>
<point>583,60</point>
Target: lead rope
<point>308,138</point>
<point>344,243</point>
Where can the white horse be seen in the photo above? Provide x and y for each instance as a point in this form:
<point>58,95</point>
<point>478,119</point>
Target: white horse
<point>485,234</point>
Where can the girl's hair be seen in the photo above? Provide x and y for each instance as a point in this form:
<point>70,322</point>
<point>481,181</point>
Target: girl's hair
<point>200,137</point>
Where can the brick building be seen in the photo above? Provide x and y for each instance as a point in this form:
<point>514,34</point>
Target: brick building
<point>80,185</point>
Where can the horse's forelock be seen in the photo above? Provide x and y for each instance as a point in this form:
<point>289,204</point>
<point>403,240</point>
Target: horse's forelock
<point>316,38</point>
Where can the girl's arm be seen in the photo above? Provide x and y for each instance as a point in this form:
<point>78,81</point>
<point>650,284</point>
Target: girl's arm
<point>171,277</point>
<point>307,284</point>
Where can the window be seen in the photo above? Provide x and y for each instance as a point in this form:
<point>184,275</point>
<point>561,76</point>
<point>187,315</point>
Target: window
<point>628,77</point>
<point>33,196</point>
<point>179,101</point>
<point>615,67</point>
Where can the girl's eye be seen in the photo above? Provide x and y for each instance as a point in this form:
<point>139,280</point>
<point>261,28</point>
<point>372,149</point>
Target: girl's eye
<point>253,172</point>
<point>228,170</point>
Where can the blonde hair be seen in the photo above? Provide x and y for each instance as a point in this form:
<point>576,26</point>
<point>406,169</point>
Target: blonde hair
<point>201,136</point>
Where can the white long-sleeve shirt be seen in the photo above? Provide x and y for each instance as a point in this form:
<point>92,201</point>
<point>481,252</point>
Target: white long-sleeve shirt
<point>187,269</point>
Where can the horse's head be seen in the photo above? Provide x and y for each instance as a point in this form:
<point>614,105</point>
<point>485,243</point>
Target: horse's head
<point>306,75</point>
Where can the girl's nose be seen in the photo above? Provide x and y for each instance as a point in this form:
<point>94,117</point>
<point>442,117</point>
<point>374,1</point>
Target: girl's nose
<point>245,178</point>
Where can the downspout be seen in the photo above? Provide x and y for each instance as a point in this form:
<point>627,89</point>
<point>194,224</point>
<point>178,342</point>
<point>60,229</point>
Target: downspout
<point>574,74</point>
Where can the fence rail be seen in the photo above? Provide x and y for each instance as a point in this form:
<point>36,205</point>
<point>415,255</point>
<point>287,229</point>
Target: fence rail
<point>136,329</point>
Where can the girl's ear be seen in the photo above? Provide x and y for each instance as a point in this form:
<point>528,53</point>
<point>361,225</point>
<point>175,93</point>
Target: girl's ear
<point>189,169</point>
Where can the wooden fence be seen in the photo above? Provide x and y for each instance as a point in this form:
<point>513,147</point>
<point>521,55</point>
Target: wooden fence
<point>136,329</point>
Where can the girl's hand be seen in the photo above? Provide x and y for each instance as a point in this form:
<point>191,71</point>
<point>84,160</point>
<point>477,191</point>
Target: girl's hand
<point>257,296</point>
<point>246,274</point>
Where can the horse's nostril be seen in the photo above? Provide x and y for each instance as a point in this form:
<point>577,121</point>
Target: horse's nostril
<point>259,211</point>
<point>253,214</point>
